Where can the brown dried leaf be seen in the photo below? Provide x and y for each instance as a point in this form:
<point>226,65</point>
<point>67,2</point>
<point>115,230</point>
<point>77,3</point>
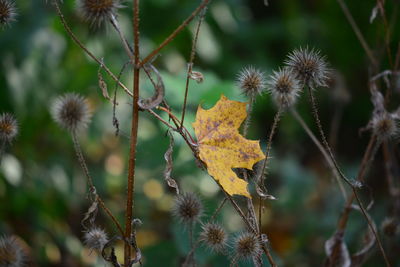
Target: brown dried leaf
<point>90,215</point>
<point>159,91</point>
<point>337,252</point>
<point>168,167</point>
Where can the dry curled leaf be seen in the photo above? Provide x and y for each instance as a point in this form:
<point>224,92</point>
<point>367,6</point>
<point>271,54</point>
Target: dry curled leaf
<point>159,91</point>
<point>337,252</point>
<point>221,147</point>
<point>90,215</point>
<point>168,167</point>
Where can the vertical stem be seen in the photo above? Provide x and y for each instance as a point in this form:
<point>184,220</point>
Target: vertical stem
<point>354,189</point>
<point>264,166</point>
<point>92,189</point>
<point>134,132</point>
<point>250,205</point>
<point>322,149</point>
<point>190,64</point>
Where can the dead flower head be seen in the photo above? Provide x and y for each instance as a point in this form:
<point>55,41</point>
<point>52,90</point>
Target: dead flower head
<point>214,236</point>
<point>95,238</point>
<point>284,88</point>
<point>8,12</point>
<point>251,81</point>
<point>71,112</point>
<point>8,127</point>
<point>12,252</point>
<point>96,12</point>
<point>188,208</point>
<point>309,67</point>
<point>247,246</point>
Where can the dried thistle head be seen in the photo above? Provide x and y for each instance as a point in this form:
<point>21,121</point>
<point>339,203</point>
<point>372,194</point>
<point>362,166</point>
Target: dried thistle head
<point>96,12</point>
<point>284,87</point>
<point>12,252</point>
<point>8,127</point>
<point>214,236</point>
<point>251,81</point>
<point>309,67</point>
<point>188,208</point>
<point>95,238</point>
<point>8,12</point>
<point>71,112</point>
<point>247,246</point>
<point>384,125</point>
<point>390,226</point>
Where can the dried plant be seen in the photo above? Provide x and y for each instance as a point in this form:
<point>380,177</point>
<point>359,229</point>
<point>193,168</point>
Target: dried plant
<point>219,146</point>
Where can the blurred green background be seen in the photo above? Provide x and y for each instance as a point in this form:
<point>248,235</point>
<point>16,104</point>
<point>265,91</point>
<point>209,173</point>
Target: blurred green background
<point>42,188</point>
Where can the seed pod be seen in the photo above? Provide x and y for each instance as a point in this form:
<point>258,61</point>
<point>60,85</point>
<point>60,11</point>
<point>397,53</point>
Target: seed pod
<point>384,126</point>
<point>96,12</point>
<point>71,112</point>
<point>284,87</point>
<point>188,208</point>
<point>214,236</point>
<point>8,127</point>
<point>251,81</point>
<point>95,238</point>
<point>309,66</point>
<point>247,246</point>
<point>12,253</point>
<point>8,12</point>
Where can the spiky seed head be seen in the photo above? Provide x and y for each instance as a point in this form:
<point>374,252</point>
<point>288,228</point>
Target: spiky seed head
<point>247,246</point>
<point>71,112</point>
<point>96,12</point>
<point>95,238</point>
<point>309,66</point>
<point>251,81</point>
<point>188,208</point>
<point>8,127</point>
<point>12,253</point>
<point>384,125</point>
<point>284,87</point>
<point>390,227</point>
<point>8,12</point>
<point>214,236</point>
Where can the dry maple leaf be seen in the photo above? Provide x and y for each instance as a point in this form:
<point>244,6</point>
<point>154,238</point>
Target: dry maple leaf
<point>221,147</point>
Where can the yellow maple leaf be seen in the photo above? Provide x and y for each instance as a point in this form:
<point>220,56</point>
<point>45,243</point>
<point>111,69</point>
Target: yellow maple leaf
<point>221,147</point>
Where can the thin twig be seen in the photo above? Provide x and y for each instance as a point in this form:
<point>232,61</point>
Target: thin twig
<point>218,209</point>
<point>357,31</point>
<point>387,31</point>
<point>161,119</point>
<point>83,47</point>
<point>246,123</point>
<point>322,135</point>
<point>190,64</point>
<point>127,47</point>
<point>249,202</point>
<point>174,33</point>
<point>197,243</point>
<point>353,187</point>
<point>92,188</point>
<point>321,149</point>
